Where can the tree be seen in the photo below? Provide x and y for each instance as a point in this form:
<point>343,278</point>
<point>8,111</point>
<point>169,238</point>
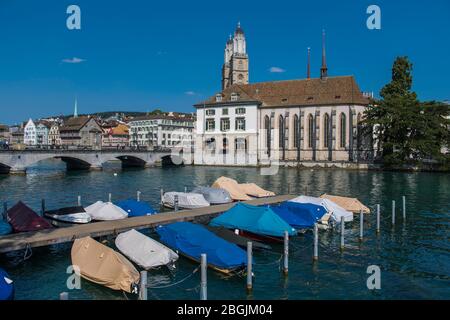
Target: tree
<point>406,130</point>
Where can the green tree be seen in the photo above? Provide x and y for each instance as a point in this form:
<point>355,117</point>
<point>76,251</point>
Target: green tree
<point>406,130</point>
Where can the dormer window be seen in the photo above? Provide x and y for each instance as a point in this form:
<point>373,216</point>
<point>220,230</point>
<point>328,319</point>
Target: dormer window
<point>284,100</point>
<point>337,97</point>
<point>310,98</point>
<point>234,96</point>
<point>218,97</point>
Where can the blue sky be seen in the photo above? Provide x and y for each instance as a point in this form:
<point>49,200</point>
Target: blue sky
<point>141,55</point>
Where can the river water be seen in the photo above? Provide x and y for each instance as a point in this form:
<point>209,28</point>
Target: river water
<point>413,256</point>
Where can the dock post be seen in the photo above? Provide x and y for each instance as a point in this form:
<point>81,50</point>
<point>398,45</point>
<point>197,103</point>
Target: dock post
<point>175,202</point>
<point>378,218</point>
<point>393,212</point>
<point>162,196</point>
<point>286,253</point>
<point>185,189</point>
<point>316,242</point>
<point>143,286</point>
<point>5,210</point>
<point>42,207</point>
<point>249,266</point>
<point>109,197</point>
<point>361,225</point>
<point>342,233</point>
<point>64,296</point>
<point>203,280</point>
<point>138,196</point>
<point>404,208</point>
<point>79,201</point>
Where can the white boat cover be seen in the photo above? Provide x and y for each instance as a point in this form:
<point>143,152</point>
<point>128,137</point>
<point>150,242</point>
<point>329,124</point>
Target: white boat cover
<point>214,195</point>
<point>101,264</point>
<point>185,200</point>
<point>143,250</point>
<point>105,211</point>
<point>336,211</point>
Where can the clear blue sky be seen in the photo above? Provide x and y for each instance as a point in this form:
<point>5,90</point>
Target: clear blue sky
<point>141,55</point>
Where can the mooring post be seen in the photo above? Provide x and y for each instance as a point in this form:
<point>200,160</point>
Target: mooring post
<point>342,233</point>
<point>203,279</point>
<point>286,253</point>
<point>64,296</point>
<point>42,207</point>
<point>185,189</point>
<point>378,218</point>
<point>109,197</point>
<point>404,208</point>
<point>175,202</point>
<point>143,286</point>
<point>316,242</point>
<point>249,266</point>
<point>138,196</point>
<point>5,210</point>
<point>162,196</point>
<point>79,201</point>
<point>393,212</point>
<point>361,225</point>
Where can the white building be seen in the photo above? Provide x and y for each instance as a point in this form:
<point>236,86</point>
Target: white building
<point>42,131</point>
<point>166,131</point>
<point>293,121</point>
<point>29,133</point>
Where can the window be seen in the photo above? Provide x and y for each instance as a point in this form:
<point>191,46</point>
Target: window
<point>210,125</point>
<point>210,112</point>
<point>310,131</point>
<point>296,132</point>
<point>343,131</point>
<point>240,78</point>
<point>224,124</point>
<point>240,110</point>
<point>218,97</point>
<point>224,145</point>
<point>281,132</point>
<point>240,124</point>
<point>326,131</point>
<point>267,127</point>
<point>225,111</point>
<point>234,96</point>
<point>240,144</point>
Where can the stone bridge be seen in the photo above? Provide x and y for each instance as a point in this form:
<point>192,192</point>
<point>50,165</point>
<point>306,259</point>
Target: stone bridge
<point>12,161</point>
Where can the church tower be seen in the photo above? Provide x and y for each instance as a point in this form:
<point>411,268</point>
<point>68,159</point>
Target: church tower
<point>235,68</point>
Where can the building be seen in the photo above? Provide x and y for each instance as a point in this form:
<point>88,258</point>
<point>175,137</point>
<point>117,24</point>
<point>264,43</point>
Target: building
<point>82,132</point>
<point>42,132</point>
<point>162,130</point>
<point>54,137</point>
<point>115,134</point>
<point>314,120</point>
<point>29,135</point>
<point>4,135</point>
<point>16,135</point>
<point>235,67</point>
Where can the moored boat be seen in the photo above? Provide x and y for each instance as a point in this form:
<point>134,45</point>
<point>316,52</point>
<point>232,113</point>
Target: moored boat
<point>214,195</point>
<point>23,219</point>
<point>233,188</point>
<point>6,286</point>
<point>104,211</point>
<point>253,190</point>
<point>144,251</point>
<point>102,265</point>
<point>192,240</point>
<point>349,204</point>
<point>238,240</point>
<point>135,208</point>
<point>68,216</point>
<point>299,215</point>
<point>5,228</point>
<point>185,200</point>
<point>336,211</point>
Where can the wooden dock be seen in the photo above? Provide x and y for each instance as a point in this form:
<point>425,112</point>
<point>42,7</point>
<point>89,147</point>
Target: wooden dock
<point>48,237</point>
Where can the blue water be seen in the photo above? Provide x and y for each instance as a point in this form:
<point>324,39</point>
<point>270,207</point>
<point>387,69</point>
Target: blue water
<point>414,256</point>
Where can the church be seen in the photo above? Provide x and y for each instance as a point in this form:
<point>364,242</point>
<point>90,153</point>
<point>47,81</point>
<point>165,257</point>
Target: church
<point>308,122</point>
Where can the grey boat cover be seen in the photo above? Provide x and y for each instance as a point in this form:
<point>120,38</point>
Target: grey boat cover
<point>144,251</point>
<point>103,211</point>
<point>185,200</point>
<point>214,195</point>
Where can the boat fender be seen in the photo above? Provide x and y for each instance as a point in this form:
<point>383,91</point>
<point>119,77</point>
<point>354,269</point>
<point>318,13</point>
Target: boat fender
<point>134,288</point>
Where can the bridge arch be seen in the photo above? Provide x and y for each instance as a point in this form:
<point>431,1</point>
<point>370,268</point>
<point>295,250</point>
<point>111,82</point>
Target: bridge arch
<point>132,161</point>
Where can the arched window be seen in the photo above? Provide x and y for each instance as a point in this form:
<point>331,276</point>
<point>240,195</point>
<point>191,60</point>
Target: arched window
<point>310,130</point>
<point>296,132</point>
<point>281,132</point>
<point>326,130</point>
<point>343,131</point>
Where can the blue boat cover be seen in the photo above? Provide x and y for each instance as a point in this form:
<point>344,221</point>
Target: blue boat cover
<point>258,220</point>
<point>136,208</point>
<point>193,240</point>
<point>299,215</point>
<point>6,286</point>
<point>5,228</point>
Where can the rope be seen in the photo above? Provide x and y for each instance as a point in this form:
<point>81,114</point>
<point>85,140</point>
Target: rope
<point>27,249</point>
<point>178,282</point>
<point>125,295</point>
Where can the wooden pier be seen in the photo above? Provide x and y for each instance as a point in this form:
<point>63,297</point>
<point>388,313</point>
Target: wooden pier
<point>48,237</point>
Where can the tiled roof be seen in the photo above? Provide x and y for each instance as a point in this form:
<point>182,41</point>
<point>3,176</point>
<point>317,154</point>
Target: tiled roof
<point>74,124</point>
<point>305,92</point>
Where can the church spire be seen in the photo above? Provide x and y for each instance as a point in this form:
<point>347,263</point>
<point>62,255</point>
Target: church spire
<point>324,68</point>
<point>75,111</point>
<point>308,69</point>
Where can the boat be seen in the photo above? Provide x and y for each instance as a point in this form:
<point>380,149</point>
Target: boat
<point>259,223</point>
<point>299,215</point>
<point>136,208</point>
<point>336,211</point>
<point>102,265</point>
<point>233,188</point>
<point>214,195</point>
<point>349,204</point>
<point>23,219</point>
<point>144,251</point>
<point>68,216</point>
<point>104,211</point>
<point>5,228</point>
<point>185,200</point>
<point>253,190</point>
<point>191,240</point>
<point>232,237</point>
<point>6,286</point>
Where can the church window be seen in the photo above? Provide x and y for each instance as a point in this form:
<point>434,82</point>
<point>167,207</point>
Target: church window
<point>310,131</point>
<point>343,140</point>
<point>326,130</point>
